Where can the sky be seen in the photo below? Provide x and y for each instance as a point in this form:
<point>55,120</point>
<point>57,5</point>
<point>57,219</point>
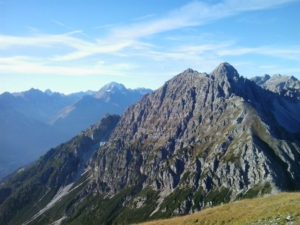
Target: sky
<point>78,45</point>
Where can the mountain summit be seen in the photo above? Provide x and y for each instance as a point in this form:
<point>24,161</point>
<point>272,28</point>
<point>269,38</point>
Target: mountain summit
<point>199,140</point>
<point>225,69</point>
<point>109,89</point>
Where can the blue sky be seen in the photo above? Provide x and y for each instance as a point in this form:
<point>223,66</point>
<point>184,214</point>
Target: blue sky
<point>75,45</point>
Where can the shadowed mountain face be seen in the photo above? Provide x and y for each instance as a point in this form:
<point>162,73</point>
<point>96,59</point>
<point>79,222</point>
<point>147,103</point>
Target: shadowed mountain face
<point>200,140</point>
<point>34,121</point>
<point>25,132</point>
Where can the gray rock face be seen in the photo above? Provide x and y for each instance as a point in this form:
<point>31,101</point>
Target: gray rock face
<point>200,140</point>
<point>208,133</point>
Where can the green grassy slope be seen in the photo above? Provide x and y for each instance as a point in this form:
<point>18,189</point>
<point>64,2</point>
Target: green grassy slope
<point>277,209</point>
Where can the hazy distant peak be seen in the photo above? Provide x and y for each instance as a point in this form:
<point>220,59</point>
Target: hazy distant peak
<point>281,84</point>
<point>143,91</point>
<point>113,86</point>
<point>260,80</point>
<point>107,90</point>
<point>33,91</point>
<point>283,77</point>
<point>49,92</point>
<point>276,78</point>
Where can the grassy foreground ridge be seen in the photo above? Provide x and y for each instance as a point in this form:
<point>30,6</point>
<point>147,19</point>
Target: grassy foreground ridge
<point>277,209</point>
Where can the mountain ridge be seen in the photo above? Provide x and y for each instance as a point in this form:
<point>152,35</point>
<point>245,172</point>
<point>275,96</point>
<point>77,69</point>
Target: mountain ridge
<point>199,140</point>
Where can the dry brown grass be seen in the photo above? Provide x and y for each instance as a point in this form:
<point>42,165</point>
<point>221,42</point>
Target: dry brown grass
<point>277,209</point>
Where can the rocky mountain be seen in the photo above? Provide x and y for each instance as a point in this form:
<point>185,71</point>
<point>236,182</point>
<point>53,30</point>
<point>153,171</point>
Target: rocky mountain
<point>34,121</point>
<point>283,85</point>
<point>200,140</point>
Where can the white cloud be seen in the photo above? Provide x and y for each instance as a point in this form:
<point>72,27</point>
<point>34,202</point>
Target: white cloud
<point>79,48</point>
<point>195,13</point>
<point>287,52</point>
<point>218,51</point>
<point>32,66</point>
<point>130,41</point>
<point>46,40</point>
<point>94,49</point>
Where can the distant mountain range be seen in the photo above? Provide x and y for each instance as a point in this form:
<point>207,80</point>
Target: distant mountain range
<point>198,141</point>
<point>283,85</point>
<point>113,98</point>
<point>34,121</point>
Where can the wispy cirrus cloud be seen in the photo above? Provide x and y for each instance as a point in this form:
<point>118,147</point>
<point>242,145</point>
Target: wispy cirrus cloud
<point>193,14</point>
<point>44,40</point>
<point>134,40</point>
<point>34,66</point>
<point>220,50</point>
<point>287,52</point>
<point>119,38</point>
<point>79,48</point>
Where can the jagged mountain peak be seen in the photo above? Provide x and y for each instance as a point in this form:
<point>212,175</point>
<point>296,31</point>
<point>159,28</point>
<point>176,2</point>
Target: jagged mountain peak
<point>189,70</point>
<point>182,79</point>
<point>225,70</point>
<point>32,92</point>
<point>184,75</point>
